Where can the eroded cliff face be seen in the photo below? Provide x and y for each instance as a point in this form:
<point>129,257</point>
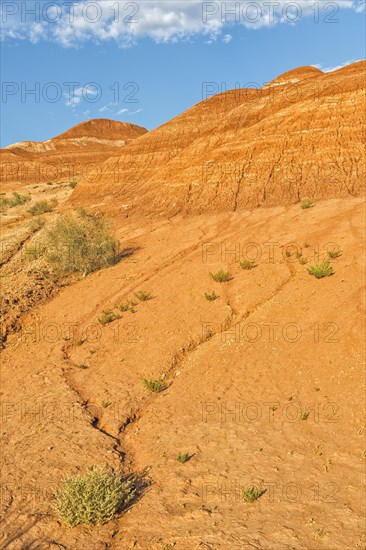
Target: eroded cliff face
<point>299,136</point>
<point>73,154</point>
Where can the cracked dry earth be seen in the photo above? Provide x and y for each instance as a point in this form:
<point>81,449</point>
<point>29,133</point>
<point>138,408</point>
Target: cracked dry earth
<point>264,387</point>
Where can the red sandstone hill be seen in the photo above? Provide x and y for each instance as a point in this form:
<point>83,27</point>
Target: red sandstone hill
<point>299,136</point>
<point>67,156</point>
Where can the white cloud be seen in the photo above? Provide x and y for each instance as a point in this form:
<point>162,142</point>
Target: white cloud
<point>76,95</point>
<point>227,39</point>
<point>336,67</point>
<point>126,21</point>
<point>127,112</point>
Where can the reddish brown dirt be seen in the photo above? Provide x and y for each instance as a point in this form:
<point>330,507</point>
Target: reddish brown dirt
<point>312,469</point>
<point>301,136</point>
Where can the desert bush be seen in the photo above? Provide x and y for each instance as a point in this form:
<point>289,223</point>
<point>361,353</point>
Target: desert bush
<point>302,260</point>
<point>307,204</point>
<point>36,224</point>
<point>221,276</point>
<point>143,296</point>
<point>211,296</point>
<point>250,494</point>
<point>40,207</point>
<point>127,306</point>
<point>108,316</point>
<point>334,253</point>
<point>155,386</point>
<point>81,244</point>
<point>15,200</point>
<point>247,264</point>
<point>321,270</point>
<point>93,498</point>
<point>73,184</point>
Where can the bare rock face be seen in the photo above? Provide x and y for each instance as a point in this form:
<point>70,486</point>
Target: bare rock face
<point>300,136</point>
<point>67,157</point>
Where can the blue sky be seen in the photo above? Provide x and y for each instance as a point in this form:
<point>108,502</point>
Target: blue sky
<point>148,70</point>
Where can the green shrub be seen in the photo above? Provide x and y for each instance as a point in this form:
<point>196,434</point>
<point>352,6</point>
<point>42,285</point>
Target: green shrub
<point>127,306</point>
<point>321,270</point>
<point>302,260</point>
<point>14,200</point>
<point>73,184</point>
<point>155,386</point>
<point>247,264</point>
<point>40,207</point>
<point>304,415</point>
<point>211,296</point>
<point>307,204</point>
<point>221,276</point>
<point>143,296</point>
<point>306,244</point>
<point>36,224</point>
<point>81,245</point>
<point>93,498</point>
<point>334,253</point>
<point>183,457</point>
<point>108,316</point>
<point>250,494</point>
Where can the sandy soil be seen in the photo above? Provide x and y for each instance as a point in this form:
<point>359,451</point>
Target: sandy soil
<point>264,387</point>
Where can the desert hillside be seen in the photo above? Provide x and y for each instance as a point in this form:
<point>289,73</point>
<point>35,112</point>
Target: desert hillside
<point>67,157</point>
<point>300,136</point>
<point>215,360</point>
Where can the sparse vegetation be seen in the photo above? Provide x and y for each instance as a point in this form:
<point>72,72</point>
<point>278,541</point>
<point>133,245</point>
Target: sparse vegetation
<point>307,204</point>
<point>127,306</point>
<point>82,366</point>
<point>321,270</point>
<point>251,494</point>
<point>108,316</point>
<point>306,244</point>
<point>106,404</point>
<point>40,207</point>
<point>15,200</point>
<point>183,457</point>
<point>302,260</point>
<point>221,276</point>
<point>304,415</point>
<point>248,264</point>
<point>155,386</point>
<point>334,253</point>
<point>81,244</point>
<point>80,342</point>
<point>93,498</point>
<point>73,184</point>
<point>211,296</point>
<point>143,296</point>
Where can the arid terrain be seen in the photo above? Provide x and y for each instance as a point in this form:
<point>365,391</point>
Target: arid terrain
<point>263,384</point>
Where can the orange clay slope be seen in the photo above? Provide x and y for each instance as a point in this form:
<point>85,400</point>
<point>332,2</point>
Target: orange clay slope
<point>67,157</point>
<point>299,136</point>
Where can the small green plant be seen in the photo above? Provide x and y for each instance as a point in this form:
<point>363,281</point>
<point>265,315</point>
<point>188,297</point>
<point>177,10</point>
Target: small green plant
<point>307,204</point>
<point>127,306</point>
<point>34,252</point>
<point>248,264</point>
<point>334,253</point>
<point>93,498</point>
<point>80,342</point>
<point>288,253</point>
<point>211,296</point>
<point>105,404</point>
<point>183,457</point>
<point>73,184</point>
<point>304,415</point>
<point>82,366</point>
<point>306,244</point>
<point>155,386</point>
<point>302,260</point>
<point>40,207</point>
<point>251,494</point>
<point>143,296</point>
<point>49,183</point>
<point>221,276</point>
<point>108,316</point>
<point>36,224</point>
<point>298,254</point>
<point>321,270</point>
